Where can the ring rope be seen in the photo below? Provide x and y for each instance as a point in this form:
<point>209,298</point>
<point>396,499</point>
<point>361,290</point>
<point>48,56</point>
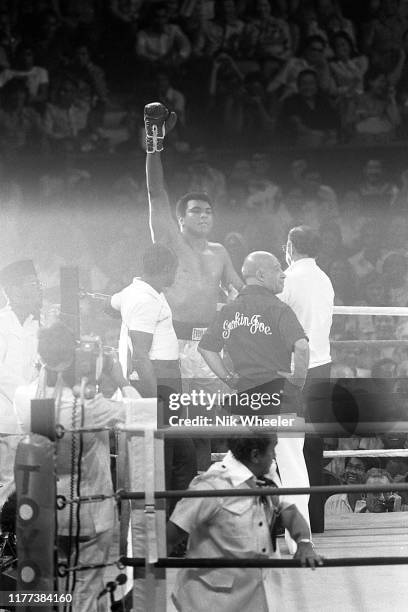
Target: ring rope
<point>379,452</point>
<point>333,454</point>
<point>376,311</point>
<point>357,488</point>
<point>171,562</point>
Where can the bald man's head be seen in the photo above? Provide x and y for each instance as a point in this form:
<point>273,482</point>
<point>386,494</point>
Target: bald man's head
<point>263,268</point>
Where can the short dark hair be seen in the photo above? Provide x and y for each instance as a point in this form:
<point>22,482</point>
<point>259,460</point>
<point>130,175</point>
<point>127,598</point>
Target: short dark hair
<point>307,72</point>
<point>56,344</point>
<point>305,240</point>
<point>345,36</point>
<point>241,447</point>
<point>364,460</point>
<point>158,259</point>
<point>313,39</point>
<point>181,205</point>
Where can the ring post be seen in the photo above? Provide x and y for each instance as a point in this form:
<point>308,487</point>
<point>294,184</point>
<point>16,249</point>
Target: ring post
<point>148,516</point>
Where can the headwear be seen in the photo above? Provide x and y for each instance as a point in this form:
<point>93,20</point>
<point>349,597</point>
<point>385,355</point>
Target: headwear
<point>15,272</point>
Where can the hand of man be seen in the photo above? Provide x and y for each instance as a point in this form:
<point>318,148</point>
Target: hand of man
<point>111,377</point>
<point>102,412</point>
<point>158,122</point>
<point>296,382</point>
<point>307,555</point>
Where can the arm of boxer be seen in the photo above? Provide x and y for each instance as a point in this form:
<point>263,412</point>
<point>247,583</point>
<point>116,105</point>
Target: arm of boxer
<point>230,276</point>
<point>158,122</point>
<point>141,344</point>
<point>162,225</point>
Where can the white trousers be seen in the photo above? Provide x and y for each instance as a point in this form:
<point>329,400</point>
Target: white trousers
<point>293,473</point>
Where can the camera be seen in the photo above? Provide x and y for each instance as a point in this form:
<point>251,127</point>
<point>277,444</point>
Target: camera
<point>393,503</point>
<point>91,359</point>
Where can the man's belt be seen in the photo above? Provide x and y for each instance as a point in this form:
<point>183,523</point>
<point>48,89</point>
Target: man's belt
<point>189,331</point>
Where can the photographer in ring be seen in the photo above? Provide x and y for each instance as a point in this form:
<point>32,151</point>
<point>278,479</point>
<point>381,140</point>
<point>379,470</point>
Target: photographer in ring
<point>97,520</point>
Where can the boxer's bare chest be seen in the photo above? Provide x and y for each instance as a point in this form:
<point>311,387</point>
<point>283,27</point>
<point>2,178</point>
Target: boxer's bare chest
<point>194,294</point>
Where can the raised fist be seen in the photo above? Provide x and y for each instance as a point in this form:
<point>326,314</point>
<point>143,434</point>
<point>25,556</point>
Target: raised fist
<point>158,121</point>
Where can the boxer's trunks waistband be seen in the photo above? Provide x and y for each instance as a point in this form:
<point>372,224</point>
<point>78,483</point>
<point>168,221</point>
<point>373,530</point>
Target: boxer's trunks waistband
<point>189,331</point>
<point>166,363</point>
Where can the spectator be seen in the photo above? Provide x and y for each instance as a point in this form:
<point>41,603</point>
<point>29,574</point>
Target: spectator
<point>51,43</point>
<point>236,246</point>
<point>35,76</point>
<point>343,280</point>
<point>331,246</point>
<point>317,203</point>
<point>126,11</point>
<point>268,220</point>
<point>384,368</point>
<point>10,38</point>
<point>205,178</point>
<point>371,251</point>
<point>173,99</point>
<point>84,68</point>
<point>227,30</point>
<point>375,193</point>
<point>308,118</point>
<point>373,116</point>
<point>395,273</point>
<point>379,502</point>
<point>161,41</point>
<point>312,58</point>
<point>344,503</point>
<point>248,111</point>
<point>382,36</point>
<point>266,35</point>
<point>372,293</point>
<point>397,234</point>
<point>348,68</point>
<point>21,127</point>
<point>334,22</point>
<point>400,202</point>
<point>66,120</point>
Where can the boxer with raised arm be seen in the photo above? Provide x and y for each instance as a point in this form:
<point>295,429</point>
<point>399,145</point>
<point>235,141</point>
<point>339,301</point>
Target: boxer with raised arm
<point>203,266</point>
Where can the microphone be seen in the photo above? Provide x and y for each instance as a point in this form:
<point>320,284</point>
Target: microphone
<point>113,584</point>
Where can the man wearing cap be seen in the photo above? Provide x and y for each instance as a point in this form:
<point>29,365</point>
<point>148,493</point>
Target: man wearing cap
<point>20,305</point>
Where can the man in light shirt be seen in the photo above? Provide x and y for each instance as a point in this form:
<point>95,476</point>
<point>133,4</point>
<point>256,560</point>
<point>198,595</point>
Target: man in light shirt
<point>239,528</point>
<point>149,352</point>
<point>21,300</point>
<point>309,292</point>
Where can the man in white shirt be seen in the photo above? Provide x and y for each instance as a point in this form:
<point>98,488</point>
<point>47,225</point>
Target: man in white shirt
<point>309,292</point>
<point>21,300</point>
<point>238,528</point>
<point>149,352</point>
<point>97,520</point>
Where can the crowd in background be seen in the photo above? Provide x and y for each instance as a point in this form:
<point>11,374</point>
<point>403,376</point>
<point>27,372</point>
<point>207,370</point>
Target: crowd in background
<point>249,76</point>
<point>74,75</point>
